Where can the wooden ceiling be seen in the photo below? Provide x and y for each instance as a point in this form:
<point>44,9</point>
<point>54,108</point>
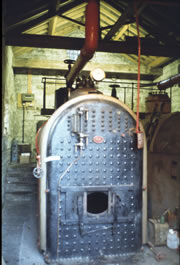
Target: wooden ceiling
<point>55,23</point>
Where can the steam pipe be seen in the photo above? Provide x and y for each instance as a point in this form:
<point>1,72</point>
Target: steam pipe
<point>91,40</point>
<point>165,83</point>
<point>169,82</point>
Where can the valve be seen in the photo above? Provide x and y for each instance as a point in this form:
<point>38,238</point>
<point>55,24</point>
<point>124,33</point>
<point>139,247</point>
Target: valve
<point>37,172</point>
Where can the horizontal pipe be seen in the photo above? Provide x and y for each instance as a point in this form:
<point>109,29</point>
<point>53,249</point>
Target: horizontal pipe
<point>91,40</point>
<point>165,83</point>
<point>169,82</point>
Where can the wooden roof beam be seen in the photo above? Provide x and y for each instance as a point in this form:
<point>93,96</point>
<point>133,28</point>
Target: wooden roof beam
<point>52,26</point>
<point>56,42</point>
<point>119,22</point>
<point>25,25</point>
<point>73,20</point>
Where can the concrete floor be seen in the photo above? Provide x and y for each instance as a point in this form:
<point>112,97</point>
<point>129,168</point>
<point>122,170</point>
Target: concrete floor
<point>19,238</point>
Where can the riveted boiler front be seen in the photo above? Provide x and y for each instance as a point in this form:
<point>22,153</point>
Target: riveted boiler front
<point>94,205</point>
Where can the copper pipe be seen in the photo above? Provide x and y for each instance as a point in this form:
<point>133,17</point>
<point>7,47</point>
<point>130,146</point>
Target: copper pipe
<point>91,40</point>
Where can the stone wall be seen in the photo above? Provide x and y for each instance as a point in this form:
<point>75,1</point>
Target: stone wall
<point>170,70</point>
<point>9,129</point>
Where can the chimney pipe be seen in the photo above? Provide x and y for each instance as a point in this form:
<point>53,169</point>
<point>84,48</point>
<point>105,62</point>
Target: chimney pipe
<point>91,40</point>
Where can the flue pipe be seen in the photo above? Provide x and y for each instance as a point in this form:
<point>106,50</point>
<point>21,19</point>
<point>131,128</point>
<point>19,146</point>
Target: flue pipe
<point>168,82</point>
<point>91,40</point>
<point>165,83</point>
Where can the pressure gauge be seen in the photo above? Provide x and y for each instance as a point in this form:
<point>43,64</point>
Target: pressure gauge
<point>97,74</point>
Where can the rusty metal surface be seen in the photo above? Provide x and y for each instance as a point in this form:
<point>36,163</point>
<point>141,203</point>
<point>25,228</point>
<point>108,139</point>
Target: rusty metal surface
<point>166,138</point>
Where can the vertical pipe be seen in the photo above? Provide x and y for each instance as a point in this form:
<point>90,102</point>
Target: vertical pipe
<point>124,95</point>
<point>23,122</point>
<point>171,95</point>
<point>132,98</point>
<point>44,93</point>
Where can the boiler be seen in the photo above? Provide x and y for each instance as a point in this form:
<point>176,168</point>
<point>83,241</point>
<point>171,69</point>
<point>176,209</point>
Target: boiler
<point>92,181</point>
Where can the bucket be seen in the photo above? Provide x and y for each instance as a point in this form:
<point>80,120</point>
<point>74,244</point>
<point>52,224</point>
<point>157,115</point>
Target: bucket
<point>172,239</point>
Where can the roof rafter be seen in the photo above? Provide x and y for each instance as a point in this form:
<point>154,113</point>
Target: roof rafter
<point>56,42</point>
<point>119,22</point>
<point>25,25</point>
